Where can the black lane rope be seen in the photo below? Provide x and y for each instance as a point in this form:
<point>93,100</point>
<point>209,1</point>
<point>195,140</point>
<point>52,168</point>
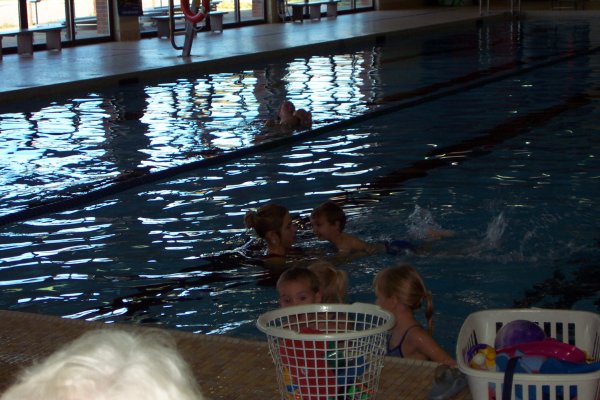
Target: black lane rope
<point>481,78</point>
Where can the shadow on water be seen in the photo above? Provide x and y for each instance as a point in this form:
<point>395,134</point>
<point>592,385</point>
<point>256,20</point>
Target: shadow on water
<point>564,291</point>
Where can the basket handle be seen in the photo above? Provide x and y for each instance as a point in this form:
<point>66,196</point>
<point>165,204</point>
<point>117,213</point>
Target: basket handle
<point>508,378</point>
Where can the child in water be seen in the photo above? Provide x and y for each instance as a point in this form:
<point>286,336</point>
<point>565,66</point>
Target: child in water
<point>401,290</point>
<point>273,223</point>
<point>290,119</point>
<point>329,220</point>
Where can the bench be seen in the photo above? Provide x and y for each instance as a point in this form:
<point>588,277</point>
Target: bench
<point>86,22</point>
<point>216,20</point>
<point>162,24</point>
<point>163,29</point>
<point>25,38</point>
<point>314,9</point>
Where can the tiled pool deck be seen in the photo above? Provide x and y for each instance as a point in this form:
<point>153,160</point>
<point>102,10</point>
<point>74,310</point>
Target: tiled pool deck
<point>227,368</point>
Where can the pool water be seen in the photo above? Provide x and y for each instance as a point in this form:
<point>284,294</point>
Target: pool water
<point>486,130</point>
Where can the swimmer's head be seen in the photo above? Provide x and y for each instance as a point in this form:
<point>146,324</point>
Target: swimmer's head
<point>304,117</point>
<point>272,222</point>
<point>287,109</point>
<point>326,219</point>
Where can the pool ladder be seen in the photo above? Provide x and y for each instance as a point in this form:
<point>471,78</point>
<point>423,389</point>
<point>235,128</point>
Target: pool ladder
<point>512,7</point>
<point>189,34</point>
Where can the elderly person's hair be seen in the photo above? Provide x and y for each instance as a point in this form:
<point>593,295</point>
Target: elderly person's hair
<point>110,364</point>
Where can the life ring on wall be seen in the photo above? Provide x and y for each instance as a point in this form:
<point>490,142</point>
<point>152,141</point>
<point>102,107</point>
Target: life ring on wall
<point>195,17</point>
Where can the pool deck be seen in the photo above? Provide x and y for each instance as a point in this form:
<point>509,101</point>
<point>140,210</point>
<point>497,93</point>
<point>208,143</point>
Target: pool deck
<point>80,67</point>
<point>227,368</point>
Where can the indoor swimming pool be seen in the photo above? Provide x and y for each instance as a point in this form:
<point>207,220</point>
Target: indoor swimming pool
<point>489,130</point>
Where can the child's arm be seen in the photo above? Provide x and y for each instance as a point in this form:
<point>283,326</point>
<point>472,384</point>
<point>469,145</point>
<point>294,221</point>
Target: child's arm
<point>424,344</point>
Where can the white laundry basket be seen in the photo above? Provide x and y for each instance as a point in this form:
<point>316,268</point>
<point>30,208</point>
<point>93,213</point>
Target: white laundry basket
<point>578,328</point>
<point>328,351</point>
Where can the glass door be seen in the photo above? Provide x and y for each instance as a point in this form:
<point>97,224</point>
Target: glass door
<point>91,18</point>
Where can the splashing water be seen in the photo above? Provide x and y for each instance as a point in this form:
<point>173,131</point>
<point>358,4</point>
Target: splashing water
<point>494,232</point>
<point>421,223</point>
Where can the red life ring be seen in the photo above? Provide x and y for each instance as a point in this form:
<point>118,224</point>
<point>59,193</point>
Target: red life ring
<point>197,17</point>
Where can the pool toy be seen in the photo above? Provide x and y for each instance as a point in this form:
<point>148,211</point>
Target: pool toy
<point>353,368</point>
<point>517,332</point>
<point>293,390</point>
<point>482,357</point>
<point>525,364</point>
<point>358,392</point>
<point>554,366</point>
<point>550,348</point>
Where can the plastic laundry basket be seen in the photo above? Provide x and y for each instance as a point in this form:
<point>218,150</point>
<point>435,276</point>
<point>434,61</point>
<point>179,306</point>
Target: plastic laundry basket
<point>328,351</point>
<point>578,328</point>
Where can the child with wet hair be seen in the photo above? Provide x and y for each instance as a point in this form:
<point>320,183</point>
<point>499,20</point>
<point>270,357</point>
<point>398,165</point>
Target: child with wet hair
<point>273,223</point>
<point>401,291</point>
<point>328,222</point>
<point>333,282</point>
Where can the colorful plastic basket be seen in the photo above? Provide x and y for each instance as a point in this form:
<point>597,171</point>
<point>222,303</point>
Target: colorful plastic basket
<point>577,328</point>
<point>328,351</point>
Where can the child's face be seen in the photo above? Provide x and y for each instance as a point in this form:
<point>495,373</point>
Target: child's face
<point>294,293</point>
<point>387,303</point>
<point>323,229</point>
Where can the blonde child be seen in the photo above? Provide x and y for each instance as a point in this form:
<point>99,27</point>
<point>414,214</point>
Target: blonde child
<point>273,223</point>
<point>401,290</point>
<point>333,282</point>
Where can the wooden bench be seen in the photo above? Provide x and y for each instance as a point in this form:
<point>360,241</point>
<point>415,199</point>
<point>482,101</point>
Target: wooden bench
<point>162,22</point>
<point>314,9</point>
<point>25,38</point>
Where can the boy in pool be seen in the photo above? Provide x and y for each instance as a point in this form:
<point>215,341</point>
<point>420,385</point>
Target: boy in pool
<point>329,220</point>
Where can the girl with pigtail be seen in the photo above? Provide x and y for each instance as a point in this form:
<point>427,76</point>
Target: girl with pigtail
<point>401,290</point>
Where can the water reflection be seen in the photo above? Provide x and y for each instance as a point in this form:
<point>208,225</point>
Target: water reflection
<point>73,146</point>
